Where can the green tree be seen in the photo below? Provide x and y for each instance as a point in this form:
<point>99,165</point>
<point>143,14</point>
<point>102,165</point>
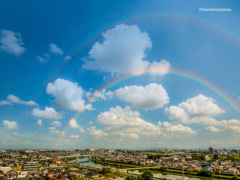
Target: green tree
<point>131,178</point>
<point>163,168</point>
<point>139,177</point>
<point>206,173</point>
<point>147,175</point>
<point>105,171</point>
<point>215,156</point>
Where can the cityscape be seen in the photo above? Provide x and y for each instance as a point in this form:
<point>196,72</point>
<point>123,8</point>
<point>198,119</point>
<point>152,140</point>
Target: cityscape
<point>123,89</point>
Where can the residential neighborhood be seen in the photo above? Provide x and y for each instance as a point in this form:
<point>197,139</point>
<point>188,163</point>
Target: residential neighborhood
<point>69,164</point>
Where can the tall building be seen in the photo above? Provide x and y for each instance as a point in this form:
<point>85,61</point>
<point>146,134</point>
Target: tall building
<point>210,150</point>
<point>30,166</point>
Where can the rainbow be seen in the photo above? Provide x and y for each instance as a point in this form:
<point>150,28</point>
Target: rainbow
<point>154,71</point>
<point>92,37</point>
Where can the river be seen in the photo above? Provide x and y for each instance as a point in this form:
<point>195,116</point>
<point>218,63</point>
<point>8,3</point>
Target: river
<point>136,172</point>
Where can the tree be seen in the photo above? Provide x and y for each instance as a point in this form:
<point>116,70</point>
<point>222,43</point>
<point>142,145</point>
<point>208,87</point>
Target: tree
<point>147,175</point>
<point>131,178</point>
<point>139,177</point>
<point>163,168</point>
<point>215,156</point>
<point>206,173</point>
<point>105,171</point>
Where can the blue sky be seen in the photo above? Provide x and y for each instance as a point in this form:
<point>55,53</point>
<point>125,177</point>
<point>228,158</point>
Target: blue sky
<point>56,56</point>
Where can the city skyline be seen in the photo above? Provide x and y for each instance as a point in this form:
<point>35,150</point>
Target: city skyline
<point>102,74</point>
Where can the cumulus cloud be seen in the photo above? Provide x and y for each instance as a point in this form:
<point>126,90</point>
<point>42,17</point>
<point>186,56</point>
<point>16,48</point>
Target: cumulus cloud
<point>39,123</point>
<point>11,42</point>
<point>74,136</point>
<point>15,99</point>
<point>168,127</point>
<point>68,95</point>
<point>123,50</point>
<point>3,102</point>
<point>55,50</point>
<point>193,110</point>
<point>48,113</point>
<point>9,125</point>
<point>73,123</point>
<point>126,123</point>
<point>53,130</point>
<point>152,96</point>
<point>95,132</point>
<point>56,123</point>
<point>213,129</point>
<point>200,109</point>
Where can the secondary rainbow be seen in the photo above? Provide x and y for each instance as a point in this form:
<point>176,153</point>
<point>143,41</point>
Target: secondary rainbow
<point>157,71</point>
<point>89,39</point>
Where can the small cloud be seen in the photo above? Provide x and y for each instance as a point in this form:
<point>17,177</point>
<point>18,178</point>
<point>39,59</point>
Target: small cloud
<point>39,123</point>
<point>5,103</point>
<point>74,136</point>
<point>68,58</point>
<point>9,125</point>
<point>17,100</point>
<point>56,123</point>
<point>91,122</point>
<point>11,42</point>
<point>74,125</point>
<point>42,60</point>
<point>213,129</point>
<point>55,50</point>
<point>53,130</point>
<point>47,113</point>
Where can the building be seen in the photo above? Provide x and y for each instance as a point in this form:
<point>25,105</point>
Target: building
<point>211,150</point>
<point>30,166</point>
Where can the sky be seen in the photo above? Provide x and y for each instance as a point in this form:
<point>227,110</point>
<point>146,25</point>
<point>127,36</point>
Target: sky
<point>119,74</point>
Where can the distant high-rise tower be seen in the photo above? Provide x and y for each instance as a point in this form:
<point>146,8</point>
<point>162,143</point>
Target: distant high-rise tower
<point>210,150</point>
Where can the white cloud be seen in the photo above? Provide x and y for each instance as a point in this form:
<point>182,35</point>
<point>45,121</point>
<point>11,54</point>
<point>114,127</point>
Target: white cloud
<point>168,127</point>
<point>74,136</point>
<point>47,113</point>
<point>213,129</point>
<point>3,102</point>
<point>41,59</point>
<point>95,132</point>
<point>74,125</point>
<point>68,95</point>
<point>39,123</point>
<point>56,123</point>
<point>201,106</point>
<point>53,130</point>
<point>11,42</point>
<point>91,122</point>
<point>150,97</point>
<point>15,99</point>
<point>194,110</point>
<point>10,124</point>
<point>126,123</point>
<point>68,58</point>
<point>55,50</point>
<point>122,51</point>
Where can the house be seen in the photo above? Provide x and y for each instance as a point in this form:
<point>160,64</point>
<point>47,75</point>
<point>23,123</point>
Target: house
<point>233,170</point>
<point>50,176</point>
<point>74,175</point>
<point>92,175</point>
<point>17,175</point>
